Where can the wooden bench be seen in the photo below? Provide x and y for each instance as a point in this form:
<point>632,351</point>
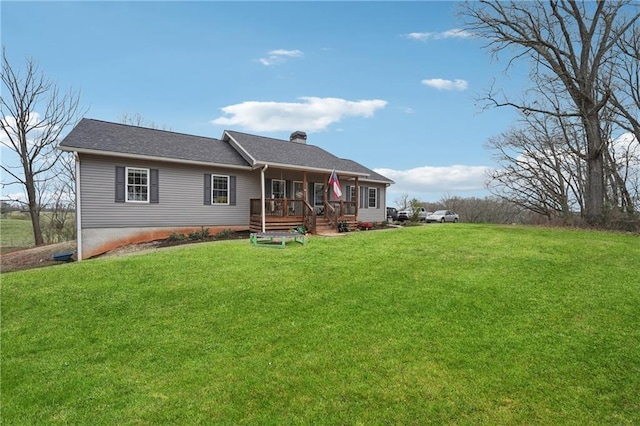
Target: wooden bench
<point>276,239</point>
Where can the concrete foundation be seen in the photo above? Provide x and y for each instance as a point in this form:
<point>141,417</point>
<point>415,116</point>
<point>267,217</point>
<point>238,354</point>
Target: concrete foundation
<point>97,241</point>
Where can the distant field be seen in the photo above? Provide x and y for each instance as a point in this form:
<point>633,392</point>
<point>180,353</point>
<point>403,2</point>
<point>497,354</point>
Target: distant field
<point>15,234</point>
<point>435,324</point>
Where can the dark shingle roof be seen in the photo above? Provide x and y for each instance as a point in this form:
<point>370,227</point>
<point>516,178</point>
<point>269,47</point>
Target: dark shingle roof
<point>277,151</point>
<point>109,137</point>
<point>113,138</point>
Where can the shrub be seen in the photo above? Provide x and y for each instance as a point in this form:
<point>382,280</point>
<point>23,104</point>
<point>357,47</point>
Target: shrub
<point>226,233</point>
<point>202,234</point>
<point>177,237</point>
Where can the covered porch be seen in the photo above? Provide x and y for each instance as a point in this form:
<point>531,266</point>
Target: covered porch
<point>308,202</point>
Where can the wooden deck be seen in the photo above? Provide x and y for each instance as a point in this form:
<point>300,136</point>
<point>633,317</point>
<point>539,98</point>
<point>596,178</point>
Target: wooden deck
<point>282,214</point>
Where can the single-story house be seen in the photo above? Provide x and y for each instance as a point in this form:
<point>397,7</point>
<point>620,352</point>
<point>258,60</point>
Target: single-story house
<point>136,184</point>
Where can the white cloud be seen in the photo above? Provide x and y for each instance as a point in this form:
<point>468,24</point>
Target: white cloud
<point>420,36</point>
<point>279,55</point>
<point>312,114</point>
<point>452,33</point>
<point>9,122</point>
<point>442,84</point>
<point>436,180</point>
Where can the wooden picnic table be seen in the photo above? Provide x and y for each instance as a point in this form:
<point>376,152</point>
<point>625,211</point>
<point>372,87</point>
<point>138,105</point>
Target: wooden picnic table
<point>276,239</point>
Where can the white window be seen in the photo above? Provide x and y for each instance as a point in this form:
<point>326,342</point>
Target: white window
<point>351,193</point>
<point>137,185</point>
<point>219,189</point>
<point>373,197</point>
<point>278,188</point>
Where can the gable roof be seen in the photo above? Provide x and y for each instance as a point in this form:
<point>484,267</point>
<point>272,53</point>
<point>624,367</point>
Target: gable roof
<point>236,149</point>
<point>260,150</point>
<point>105,138</point>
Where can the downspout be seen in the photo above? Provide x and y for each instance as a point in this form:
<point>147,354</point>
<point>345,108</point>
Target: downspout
<point>264,217</point>
<point>78,209</point>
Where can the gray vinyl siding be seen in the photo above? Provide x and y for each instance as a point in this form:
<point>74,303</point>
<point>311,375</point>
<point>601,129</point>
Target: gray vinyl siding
<point>180,190</point>
<point>374,214</point>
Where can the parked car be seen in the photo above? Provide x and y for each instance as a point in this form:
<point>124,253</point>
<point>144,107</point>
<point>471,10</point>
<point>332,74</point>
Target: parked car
<point>392,213</point>
<point>407,214</point>
<point>443,216</point>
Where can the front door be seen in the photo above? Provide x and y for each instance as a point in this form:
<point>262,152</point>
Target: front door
<point>318,197</point>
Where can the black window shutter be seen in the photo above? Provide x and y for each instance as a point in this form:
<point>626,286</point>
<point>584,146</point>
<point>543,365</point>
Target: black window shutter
<point>232,190</point>
<point>120,184</point>
<point>154,196</point>
<point>267,188</point>
<point>377,198</point>
<point>365,197</point>
<point>348,189</point>
<point>207,189</point>
<point>288,188</point>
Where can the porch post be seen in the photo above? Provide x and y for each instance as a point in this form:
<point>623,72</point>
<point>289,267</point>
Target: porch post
<point>305,185</point>
<point>357,200</point>
<point>325,186</point>
<point>263,217</point>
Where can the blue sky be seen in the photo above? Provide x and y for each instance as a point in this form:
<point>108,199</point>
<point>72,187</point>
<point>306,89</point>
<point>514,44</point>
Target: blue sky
<point>391,85</point>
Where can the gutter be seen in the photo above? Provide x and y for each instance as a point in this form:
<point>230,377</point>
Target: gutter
<point>78,210</point>
<point>150,158</point>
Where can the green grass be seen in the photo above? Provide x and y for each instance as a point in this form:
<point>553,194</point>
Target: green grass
<point>15,233</point>
<point>438,324</point>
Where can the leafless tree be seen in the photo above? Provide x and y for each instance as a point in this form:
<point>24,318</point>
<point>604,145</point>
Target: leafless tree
<point>569,44</point>
<point>537,171</point>
<point>403,201</point>
<point>138,120</point>
<point>33,136</point>
<point>485,210</point>
<point>59,200</point>
<point>625,77</point>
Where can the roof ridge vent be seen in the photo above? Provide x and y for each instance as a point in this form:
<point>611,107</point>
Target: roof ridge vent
<point>298,137</point>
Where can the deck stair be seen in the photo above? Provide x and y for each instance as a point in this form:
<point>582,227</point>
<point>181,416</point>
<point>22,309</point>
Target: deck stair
<point>323,226</point>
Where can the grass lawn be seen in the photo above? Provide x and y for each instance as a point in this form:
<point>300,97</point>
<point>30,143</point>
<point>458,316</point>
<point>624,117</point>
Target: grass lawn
<point>437,324</point>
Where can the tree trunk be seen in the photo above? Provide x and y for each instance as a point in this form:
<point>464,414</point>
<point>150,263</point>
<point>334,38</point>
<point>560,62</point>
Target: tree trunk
<point>594,195</point>
<point>34,210</point>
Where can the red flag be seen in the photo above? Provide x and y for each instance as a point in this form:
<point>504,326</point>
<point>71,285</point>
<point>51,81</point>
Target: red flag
<point>333,181</point>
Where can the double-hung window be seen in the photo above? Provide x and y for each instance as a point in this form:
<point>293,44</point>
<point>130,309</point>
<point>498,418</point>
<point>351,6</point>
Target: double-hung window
<point>373,197</point>
<point>219,189</point>
<point>137,185</point>
<point>351,193</point>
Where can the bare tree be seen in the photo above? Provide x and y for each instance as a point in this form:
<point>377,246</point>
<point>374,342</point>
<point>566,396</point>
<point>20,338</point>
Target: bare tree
<point>138,120</point>
<point>626,78</point>
<point>31,135</point>
<point>403,201</point>
<point>569,44</point>
<point>537,170</point>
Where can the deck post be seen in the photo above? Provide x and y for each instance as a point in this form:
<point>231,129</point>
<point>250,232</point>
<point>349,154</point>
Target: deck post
<point>263,217</point>
<point>357,200</point>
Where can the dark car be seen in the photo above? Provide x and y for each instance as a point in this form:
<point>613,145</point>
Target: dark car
<point>392,213</point>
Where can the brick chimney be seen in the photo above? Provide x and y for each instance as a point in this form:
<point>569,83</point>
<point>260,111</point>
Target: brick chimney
<point>298,137</point>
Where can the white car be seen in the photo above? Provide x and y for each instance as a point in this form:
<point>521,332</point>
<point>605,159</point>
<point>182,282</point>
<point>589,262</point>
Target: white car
<point>443,216</point>
<point>407,214</point>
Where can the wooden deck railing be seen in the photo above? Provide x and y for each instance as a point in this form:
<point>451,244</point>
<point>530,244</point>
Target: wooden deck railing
<point>343,208</point>
<point>287,212</point>
<point>278,207</point>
